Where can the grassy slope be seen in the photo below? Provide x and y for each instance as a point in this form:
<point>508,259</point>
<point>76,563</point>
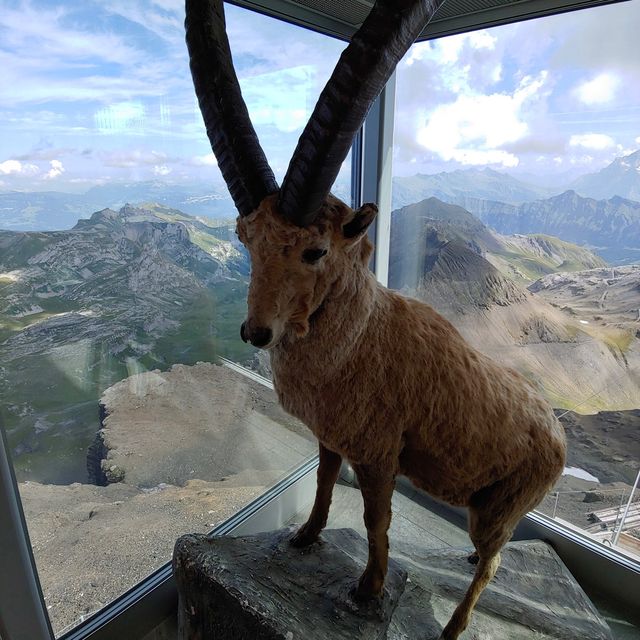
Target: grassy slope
<point>526,265</point>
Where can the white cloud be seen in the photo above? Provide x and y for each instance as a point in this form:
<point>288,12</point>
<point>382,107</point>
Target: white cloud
<point>15,167</point>
<point>57,169</point>
<point>449,50</point>
<point>496,74</point>
<point>130,158</point>
<point>472,129</point>
<point>204,161</point>
<point>482,40</point>
<point>598,141</point>
<point>599,90</point>
<point>481,157</point>
<point>161,170</point>
<point>281,98</point>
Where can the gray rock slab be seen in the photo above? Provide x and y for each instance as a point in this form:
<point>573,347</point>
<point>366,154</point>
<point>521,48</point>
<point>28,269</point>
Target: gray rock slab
<point>532,596</point>
<point>260,588</point>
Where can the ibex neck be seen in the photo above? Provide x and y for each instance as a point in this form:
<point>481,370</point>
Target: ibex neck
<point>336,328</point>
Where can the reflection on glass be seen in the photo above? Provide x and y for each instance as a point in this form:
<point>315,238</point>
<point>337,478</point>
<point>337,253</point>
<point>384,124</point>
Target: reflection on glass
<point>516,200</point>
<point>123,286</point>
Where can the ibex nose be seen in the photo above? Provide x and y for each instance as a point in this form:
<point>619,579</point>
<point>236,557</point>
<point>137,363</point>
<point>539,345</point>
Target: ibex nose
<point>258,337</point>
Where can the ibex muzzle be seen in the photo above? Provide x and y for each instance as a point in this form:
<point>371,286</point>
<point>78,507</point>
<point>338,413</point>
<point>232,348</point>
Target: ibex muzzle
<point>381,380</point>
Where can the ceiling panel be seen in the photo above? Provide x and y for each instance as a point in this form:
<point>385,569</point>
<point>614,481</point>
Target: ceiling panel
<point>342,17</point>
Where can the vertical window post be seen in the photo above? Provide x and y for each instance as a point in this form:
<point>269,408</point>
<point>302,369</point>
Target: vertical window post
<point>23,615</point>
<point>377,161</point>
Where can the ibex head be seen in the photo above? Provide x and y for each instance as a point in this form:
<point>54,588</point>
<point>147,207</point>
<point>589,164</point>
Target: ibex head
<point>293,268</point>
<point>300,237</point>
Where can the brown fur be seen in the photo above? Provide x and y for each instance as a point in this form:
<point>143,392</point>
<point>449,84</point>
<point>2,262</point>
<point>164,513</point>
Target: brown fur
<point>388,384</point>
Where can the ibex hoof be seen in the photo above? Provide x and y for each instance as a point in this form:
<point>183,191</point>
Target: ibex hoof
<point>362,595</point>
<point>366,591</point>
<point>474,558</point>
<point>303,538</point>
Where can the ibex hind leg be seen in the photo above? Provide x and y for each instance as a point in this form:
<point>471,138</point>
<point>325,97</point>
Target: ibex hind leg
<point>493,514</point>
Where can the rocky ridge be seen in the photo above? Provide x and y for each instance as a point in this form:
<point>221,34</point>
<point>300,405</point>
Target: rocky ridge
<point>446,257</point>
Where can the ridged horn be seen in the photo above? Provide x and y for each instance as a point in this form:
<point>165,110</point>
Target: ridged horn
<point>233,139</point>
<point>359,77</point>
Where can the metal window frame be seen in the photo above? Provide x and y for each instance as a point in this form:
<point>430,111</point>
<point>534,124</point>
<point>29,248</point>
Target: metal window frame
<point>23,614</point>
<point>376,171</point>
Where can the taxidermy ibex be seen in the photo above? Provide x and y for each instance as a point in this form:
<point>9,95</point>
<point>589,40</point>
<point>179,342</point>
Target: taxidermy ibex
<point>382,380</point>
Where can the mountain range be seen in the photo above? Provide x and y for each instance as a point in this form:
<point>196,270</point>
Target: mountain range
<point>54,211</point>
<point>148,286</point>
<point>610,227</point>
<point>598,210</point>
<point>431,223</point>
<point>455,186</point>
<point>121,292</point>
<point>621,178</point>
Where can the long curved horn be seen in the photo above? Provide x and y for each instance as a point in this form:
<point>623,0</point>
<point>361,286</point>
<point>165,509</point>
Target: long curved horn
<point>359,77</point>
<point>233,139</point>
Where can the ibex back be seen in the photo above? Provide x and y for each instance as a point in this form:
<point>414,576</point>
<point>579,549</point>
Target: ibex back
<point>382,380</point>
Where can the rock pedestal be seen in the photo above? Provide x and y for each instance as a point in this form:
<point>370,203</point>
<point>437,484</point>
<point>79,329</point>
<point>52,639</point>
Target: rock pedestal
<point>260,588</point>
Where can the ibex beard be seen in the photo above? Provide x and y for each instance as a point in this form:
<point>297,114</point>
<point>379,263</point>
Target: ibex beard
<point>388,384</point>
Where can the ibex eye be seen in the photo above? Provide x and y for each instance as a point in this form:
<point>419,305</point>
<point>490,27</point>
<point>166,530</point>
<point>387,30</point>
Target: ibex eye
<point>313,255</point>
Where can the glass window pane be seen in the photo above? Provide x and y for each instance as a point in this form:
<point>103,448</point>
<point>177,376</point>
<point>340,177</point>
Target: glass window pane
<point>123,286</point>
<point>516,200</point>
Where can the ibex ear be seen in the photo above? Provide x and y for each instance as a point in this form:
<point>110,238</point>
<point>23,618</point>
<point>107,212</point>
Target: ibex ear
<point>362,218</point>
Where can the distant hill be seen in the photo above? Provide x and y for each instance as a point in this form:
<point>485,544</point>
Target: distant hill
<point>522,258</point>
<point>455,186</point>
<point>121,292</point>
<point>55,211</point>
<point>443,255</point>
<point>620,178</point>
<point>610,227</point>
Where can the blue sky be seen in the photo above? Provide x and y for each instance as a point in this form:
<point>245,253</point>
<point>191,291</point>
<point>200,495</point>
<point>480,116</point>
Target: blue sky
<point>100,91</point>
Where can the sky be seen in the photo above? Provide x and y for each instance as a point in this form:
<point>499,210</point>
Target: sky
<point>99,91</point>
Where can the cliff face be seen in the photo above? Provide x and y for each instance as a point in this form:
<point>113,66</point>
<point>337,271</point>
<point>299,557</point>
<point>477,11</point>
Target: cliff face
<point>97,452</point>
<point>203,421</point>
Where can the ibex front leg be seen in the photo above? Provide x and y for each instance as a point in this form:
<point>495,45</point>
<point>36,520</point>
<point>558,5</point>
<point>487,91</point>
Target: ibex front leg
<point>377,486</point>
<point>328,471</point>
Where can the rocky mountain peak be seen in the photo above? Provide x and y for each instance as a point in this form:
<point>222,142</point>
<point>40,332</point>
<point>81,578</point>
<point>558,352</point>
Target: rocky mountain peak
<point>620,178</point>
<point>630,162</point>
